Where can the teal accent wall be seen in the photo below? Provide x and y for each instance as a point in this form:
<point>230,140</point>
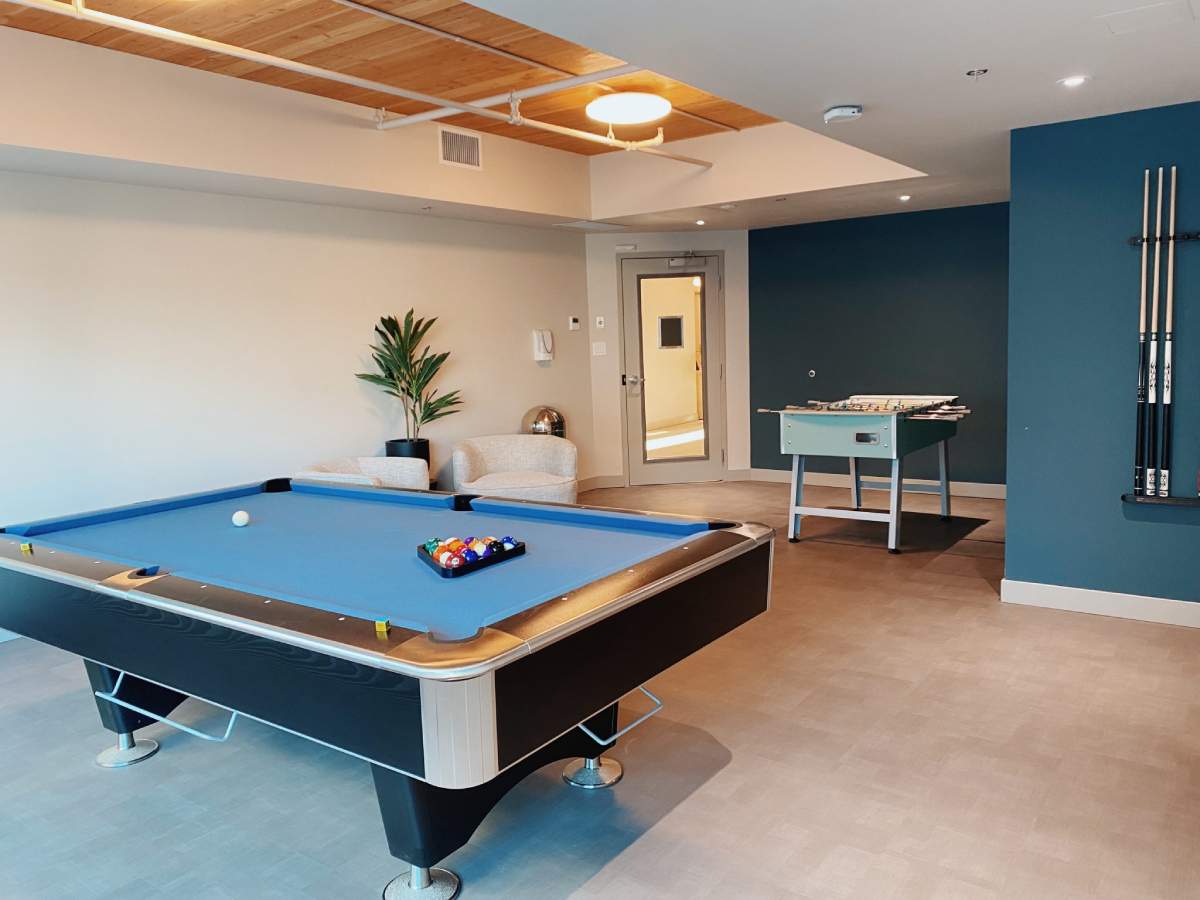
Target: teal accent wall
<point>913,303</point>
<point>1073,309</point>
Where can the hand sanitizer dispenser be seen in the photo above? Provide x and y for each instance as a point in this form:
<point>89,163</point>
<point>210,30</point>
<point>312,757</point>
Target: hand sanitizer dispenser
<point>543,345</point>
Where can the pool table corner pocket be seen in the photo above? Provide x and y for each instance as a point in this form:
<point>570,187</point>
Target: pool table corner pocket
<point>448,660</point>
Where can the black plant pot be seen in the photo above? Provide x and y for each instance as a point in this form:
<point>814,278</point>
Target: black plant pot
<point>418,448</point>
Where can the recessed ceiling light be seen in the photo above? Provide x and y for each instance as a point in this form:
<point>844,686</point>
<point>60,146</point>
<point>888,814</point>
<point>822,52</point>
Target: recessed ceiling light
<point>699,221</point>
<point>904,198</point>
<point>1073,81</point>
<point>628,108</point>
<point>976,73</point>
<point>728,206</point>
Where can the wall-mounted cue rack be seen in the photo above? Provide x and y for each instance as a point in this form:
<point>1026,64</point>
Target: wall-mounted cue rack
<point>1153,441</point>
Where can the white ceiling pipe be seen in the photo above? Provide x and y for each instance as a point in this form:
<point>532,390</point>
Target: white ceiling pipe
<point>497,99</point>
<point>448,35</point>
<point>504,54</point>
<point>78,10</point>
<point>678,157</point>
<point>649,145</point>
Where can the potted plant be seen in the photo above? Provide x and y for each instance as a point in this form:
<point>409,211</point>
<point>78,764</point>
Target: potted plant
<point>406,372</point>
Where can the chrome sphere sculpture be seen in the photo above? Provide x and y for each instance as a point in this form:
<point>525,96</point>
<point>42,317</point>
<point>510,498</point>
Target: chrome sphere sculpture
<point>544,420</point>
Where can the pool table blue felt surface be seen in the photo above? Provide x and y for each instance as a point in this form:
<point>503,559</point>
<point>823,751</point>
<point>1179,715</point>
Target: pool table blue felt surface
<point>352,551</point>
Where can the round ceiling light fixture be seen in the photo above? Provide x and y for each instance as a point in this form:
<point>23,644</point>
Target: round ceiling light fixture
<point>1073,81</point>
<point>628,108</point>
<point>904,198</point>
<point>699,221</point>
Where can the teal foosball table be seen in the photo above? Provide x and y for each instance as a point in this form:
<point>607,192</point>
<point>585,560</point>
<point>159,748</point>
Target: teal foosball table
<point>868,426</point>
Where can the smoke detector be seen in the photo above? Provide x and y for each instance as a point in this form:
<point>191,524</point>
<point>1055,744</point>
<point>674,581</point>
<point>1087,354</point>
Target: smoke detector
<point>843,113</point>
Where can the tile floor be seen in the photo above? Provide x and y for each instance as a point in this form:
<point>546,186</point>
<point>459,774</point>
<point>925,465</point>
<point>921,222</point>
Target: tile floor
<point>888,730</point>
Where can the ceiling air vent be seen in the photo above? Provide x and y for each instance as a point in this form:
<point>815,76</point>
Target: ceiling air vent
<point>460,148</point>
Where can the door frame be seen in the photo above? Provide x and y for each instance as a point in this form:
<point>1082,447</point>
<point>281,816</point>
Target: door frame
<point>718,310</point>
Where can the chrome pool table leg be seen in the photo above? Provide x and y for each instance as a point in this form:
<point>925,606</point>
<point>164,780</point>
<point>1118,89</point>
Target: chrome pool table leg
<point>423,884</point>
<point>129,750</point>
<point>896,505</point>
<point>797,497</point>
<point>590,774</point>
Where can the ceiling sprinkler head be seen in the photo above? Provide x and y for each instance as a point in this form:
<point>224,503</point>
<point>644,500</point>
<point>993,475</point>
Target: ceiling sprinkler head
<point>976,74</point>
<point>846,113</point>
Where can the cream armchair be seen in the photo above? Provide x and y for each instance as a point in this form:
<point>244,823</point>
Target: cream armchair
<point>380,471</point>
<point>521,466</point>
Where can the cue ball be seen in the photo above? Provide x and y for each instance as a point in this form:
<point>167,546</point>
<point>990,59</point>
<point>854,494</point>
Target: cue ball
<point>241,518</point>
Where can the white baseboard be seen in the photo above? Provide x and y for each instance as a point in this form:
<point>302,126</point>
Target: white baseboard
<point>7,636</point>
<point>596,482</point>
<point>1101,603</point>
<point>828,479</point>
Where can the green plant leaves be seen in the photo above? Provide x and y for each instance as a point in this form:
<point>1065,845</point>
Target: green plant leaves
<point>407,371</point>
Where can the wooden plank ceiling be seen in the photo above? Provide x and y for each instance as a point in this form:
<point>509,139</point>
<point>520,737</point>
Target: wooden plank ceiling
<point>326,34</point>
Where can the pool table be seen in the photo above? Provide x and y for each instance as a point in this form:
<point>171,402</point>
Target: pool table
<point>318,618</point>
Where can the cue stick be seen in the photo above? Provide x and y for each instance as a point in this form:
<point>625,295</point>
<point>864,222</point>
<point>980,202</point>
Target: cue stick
<point>1164,466</point>
<point>1151,483</point>
<point>1139,460</point>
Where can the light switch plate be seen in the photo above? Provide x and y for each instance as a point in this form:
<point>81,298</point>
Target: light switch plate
<point>599,348</point>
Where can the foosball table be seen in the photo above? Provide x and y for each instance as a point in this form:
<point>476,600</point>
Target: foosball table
<point>869,426</point>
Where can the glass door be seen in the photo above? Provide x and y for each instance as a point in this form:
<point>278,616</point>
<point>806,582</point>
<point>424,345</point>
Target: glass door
<point>674,369</point>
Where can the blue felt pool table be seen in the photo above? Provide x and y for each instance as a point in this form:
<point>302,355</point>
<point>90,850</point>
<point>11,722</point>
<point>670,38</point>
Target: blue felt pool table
<point>318,618</point>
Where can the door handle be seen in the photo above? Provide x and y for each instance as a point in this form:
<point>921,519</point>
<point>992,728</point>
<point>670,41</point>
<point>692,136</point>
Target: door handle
<point>632,379</point>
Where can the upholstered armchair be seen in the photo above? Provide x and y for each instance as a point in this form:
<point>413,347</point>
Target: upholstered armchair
<point>521,466</point>
<point>380,471</point>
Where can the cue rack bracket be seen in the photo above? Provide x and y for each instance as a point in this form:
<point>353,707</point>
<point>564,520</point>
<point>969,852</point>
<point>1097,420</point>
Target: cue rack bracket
<point>1180,237</point>
<point>1193,502</point>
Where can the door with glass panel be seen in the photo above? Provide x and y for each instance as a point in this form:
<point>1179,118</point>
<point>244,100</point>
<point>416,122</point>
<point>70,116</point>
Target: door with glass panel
<point>674,369</point>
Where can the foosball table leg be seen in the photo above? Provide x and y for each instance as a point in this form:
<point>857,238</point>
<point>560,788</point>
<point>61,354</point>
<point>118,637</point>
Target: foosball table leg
<point>896,505</point>
<point>944,467</point>
<point>797,497</point>
<point>855,484</point>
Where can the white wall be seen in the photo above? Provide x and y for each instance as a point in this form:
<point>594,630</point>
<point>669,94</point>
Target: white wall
<point>603,274</point>
<point>158,341</point>
<point>65,97</point>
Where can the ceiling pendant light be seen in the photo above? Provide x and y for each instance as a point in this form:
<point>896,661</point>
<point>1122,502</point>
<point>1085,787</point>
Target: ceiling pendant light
<point>628,108</point>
